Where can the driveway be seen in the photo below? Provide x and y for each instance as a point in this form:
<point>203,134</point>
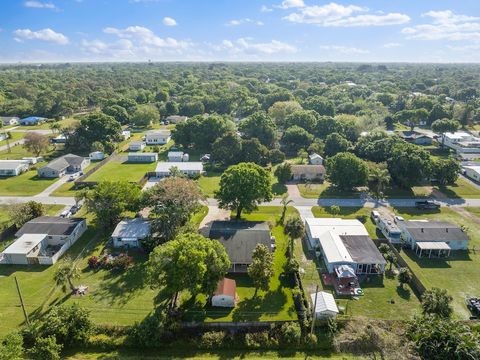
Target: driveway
<point>54,186</point>
<point>214,213</point>
<point>305,212</point>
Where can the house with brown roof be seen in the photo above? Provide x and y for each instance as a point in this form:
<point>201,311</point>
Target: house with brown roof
<point>308,172</point>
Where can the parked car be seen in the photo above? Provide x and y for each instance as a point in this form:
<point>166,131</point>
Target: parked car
<point>66,214</point>
<point>374,215</point>
<point>205,158</point>
<point>74,209</point>
<point>427,205</point>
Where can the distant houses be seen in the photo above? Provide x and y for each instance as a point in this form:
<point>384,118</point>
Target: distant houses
<point>177,156</point>
<point>191,169</point>
<point>13,167</point>
<point>9,120</point>
<point>63,165</point>
<point>308,172</point>
<point>175,119</point>
<point>136,146</point>
<point>157,137</point>
<point>415,137</point>
<point>43,240</point>
<point>315,159</point>
<point>465,144</point>
<point>31,121</point>
<point>129,233</point>
<point>240,239</point>
<point>146,157</point>
<point>96,155</point>
<point>472,172</point>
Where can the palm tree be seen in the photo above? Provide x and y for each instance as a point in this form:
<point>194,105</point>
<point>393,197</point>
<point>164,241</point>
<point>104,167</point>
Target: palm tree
<point>285,201</point>
<point>379,178</point>
<point>66,272</point>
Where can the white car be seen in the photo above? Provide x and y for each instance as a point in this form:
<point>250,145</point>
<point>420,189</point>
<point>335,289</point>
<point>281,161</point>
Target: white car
<point>66,214</point>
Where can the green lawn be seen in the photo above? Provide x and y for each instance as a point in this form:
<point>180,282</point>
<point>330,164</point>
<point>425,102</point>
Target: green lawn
<point>209,183</point>
<point>325,190</point>
<point>14,136</point>
<point>379,291</point>
<point>115,171</point>
<point>460,273</point>
<point>26,184</point>
<point>275,304</point>
<point>46,125</point>
<point>462,189</point>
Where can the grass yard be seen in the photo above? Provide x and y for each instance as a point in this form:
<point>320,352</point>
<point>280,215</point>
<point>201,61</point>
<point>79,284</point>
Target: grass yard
<point>376,303</point>
<point>324,190</point>
<point>275,304</point>
<point>26,184</point>
<point>14,136</point>
<point>46,125</point>
<point>462,189</point>
<point>209,183</point>
<point>116,171</point>
<point>460,273</point>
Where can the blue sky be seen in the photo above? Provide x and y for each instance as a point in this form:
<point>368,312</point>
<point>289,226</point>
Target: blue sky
<point>240,30</point>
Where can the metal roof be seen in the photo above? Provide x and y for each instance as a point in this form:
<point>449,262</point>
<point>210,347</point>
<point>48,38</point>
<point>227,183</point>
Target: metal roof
<point>24,244</point>
<point>362,249</point>
<point>325,302</point>
<point>137,228</point>
<point>435,245</point>
<point>12,164</point>
<point>182,166</point>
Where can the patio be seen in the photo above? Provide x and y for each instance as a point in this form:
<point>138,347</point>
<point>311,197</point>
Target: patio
<point>343,286</point>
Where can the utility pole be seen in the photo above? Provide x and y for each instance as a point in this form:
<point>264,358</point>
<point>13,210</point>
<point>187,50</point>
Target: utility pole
<point>21,302</point>
<point>314,315</point>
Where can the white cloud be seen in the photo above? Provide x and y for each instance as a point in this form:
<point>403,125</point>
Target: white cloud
<point>265,9</point>
<point>446,25</point>
<point>39,5</point>
<point>287,4</point>
<point>237,22</point>
<point>337,15</point>
<point>168,21</point>
<point>391,45</point>
<point>247,46</point>
<point>146,37</point>
<point>44,35</point>
<point>344,49</point>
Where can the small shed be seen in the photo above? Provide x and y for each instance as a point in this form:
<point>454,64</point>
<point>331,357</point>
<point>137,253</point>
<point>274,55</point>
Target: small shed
<point>326,307</point>
<point>315,159</point>
<point>97,155</point>
<point>226,293</point>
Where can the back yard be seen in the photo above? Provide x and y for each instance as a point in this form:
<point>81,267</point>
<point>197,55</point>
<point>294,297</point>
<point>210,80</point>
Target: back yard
<point>119,170</point>
<point>460,273</point>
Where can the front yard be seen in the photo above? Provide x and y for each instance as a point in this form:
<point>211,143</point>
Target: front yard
<point>26,184</point>
<point>460,273</point>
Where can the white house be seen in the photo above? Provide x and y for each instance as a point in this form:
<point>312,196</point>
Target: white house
<point>315,159</point>
<point>157,137</point>
<point>177,156</point>
<point>68,163</point>
<point>226,294</point>
<point>344,242</point>
<point>96,155</point>
<point>462,142</point>
<point>9,120</point>
<point>13,167</point>
<point>325,307</point>
<point>129,233</point>
<point>433,238</point>
<point>472,172</point>
<point>142,157</point>
<point>136,146</point>
<point>187,168</point>
<point>308,172</point>
<point>44,240</point>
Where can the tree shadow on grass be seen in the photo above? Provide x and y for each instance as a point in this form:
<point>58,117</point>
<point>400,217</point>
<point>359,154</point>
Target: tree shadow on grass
<point>254,308</point>
<point>404,293</point>
<point>279,189</point>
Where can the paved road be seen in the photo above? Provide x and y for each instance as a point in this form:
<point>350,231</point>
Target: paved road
<point>40,131</point>
<point>50,200</point>
<point>12,144</point>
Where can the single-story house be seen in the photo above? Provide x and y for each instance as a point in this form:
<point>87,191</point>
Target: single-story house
<point>344,242</point>
<point>308,172</point>
<point>146,157</point>
<point>13,167</point>
<point>33,160</point>
<point>325,307</point>
<point>60,139</point>
<point>315,159</point>
<point>462,142</point>
<point>136,146</point>
<point>157,137</point>
<point>187,168</point>
<point>433,238</point>
<point>176,119</point>
<point>415,137</point>
<point>472,172</point>
<point>130,232</point>
<point>44,240</point>
<point>9,120</point>
<point>69,163</point>
<point>126,134</point>
<point>226,294</point>
<point>31,120</point>
<point>97,155</point>
<point>240,239</point>
<point>177,156</point>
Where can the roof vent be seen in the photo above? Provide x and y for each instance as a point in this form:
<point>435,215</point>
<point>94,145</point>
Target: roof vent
<point>422,229</point>
<point>446,229</point>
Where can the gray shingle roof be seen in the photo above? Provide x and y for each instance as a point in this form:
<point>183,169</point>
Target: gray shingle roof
<point>435,231</point>
<point>308,169</point>
<point>65,161</point>
<point>362,249</point>
<point>240,238</point>
<point>51,225</point>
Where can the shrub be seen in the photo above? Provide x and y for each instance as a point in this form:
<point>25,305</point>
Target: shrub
<point>46,348</point>
<point>105,342</point>
<point>212,339</point>
<point>291,266</point>
<point>258,340</point>
<point>311,341</point>
<point>122,262</point>
<point>290,334</point>
<point>11,347</point>
<point>362,218</point>
<point>93,262</point>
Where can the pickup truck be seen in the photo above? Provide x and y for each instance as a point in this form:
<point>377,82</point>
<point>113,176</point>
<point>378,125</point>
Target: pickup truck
<point>427,205</point>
